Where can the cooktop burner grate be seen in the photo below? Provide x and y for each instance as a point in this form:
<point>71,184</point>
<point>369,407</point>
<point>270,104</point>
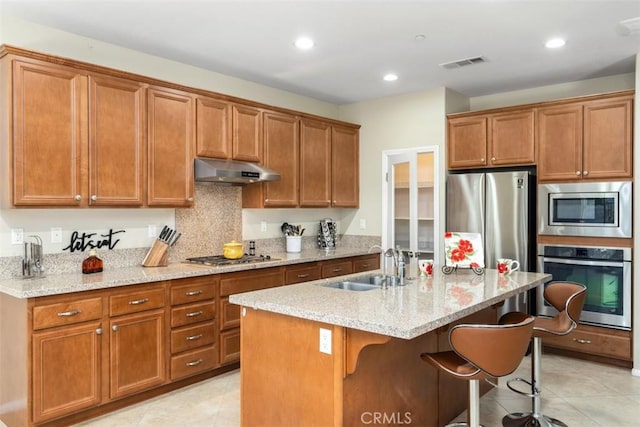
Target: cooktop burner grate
<point>219,260</point>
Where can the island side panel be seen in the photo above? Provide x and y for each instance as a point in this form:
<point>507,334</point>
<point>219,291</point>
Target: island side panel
<point>285,379</point>
<point>392,385</point>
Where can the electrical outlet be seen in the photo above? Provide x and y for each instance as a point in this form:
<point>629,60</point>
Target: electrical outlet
<point>363,224</point>
<point>17,236</point>
<point>151,230</point>
<point>263,226</point>
<point>56,235</point>
<point>325,341</point>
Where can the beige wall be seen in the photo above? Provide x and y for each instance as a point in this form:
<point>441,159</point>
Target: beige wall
<point>406,121</point>
<point>553,92</point>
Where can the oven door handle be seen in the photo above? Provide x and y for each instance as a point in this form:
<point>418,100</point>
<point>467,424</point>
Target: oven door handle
<point>583,262</point>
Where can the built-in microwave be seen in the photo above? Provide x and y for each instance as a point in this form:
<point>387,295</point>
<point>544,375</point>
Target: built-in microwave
<point>592,209</point>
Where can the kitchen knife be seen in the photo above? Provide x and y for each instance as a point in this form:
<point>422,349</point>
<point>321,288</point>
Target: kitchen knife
<point>175,239</point>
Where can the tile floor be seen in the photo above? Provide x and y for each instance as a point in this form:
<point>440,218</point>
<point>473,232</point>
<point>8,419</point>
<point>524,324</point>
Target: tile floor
<point>582,394</point>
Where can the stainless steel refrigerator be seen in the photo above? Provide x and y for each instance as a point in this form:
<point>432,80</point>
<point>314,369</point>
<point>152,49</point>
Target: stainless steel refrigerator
<point>501,207</point>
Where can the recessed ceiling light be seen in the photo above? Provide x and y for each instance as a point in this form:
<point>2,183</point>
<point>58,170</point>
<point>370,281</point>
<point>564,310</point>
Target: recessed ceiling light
<point>554,43</point>
<point>390,77</point>
<point>304,43</point>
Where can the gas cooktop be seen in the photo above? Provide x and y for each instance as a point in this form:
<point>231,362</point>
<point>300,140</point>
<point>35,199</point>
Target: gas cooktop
<point>219,260</point>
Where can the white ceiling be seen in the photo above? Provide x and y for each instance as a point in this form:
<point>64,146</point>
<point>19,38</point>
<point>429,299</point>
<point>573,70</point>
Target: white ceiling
<point>357,42</point>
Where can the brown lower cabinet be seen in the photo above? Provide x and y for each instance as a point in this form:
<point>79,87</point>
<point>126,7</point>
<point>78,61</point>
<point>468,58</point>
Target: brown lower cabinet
<point>592,342</point>
<point>87,353</point>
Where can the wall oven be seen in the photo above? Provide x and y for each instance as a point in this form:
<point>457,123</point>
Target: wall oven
<point>593,209</point>
<point>606,272</point>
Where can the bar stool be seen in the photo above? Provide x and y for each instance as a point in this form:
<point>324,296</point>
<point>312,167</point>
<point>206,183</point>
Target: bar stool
<point>568,298</point>
<point>480,352</point>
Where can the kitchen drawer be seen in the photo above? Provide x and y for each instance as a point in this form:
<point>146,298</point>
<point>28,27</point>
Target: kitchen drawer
<point>193,362</point>
<point>133,302</point>
<point>594,340</point>
<point>303,273</point>
<point>336,268</point>
<point>235,283</point>
<point>229,314</point>
<point>366,263</point>
<point>183,339</point>
<point>230,346</point>
<point>66,313</point>
<point>193,289</point>
<point>192,313</point>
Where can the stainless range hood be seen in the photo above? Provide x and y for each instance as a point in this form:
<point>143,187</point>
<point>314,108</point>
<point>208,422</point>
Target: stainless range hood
<point>232,172</point>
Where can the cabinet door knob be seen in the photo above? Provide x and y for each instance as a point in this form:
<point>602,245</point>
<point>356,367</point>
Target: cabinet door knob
<point>94,197</point>
<point>585,173</point>
<point>493,159</point>
<point>190,199</point>
<point>482,159</point>
<point>577,173</point>
<point>99,331</point>
<point>78,197</point>
<point>115,328</point>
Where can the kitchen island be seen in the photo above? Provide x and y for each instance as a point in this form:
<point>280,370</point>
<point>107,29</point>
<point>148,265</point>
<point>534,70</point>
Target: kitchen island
<point>335,357</point>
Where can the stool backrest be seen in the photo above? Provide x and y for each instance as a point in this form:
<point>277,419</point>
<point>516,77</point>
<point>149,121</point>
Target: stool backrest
<point>495,349</point>
<point>567,297</point>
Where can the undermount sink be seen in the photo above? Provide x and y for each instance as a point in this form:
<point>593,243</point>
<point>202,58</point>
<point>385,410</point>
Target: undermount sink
<point>352,286</point>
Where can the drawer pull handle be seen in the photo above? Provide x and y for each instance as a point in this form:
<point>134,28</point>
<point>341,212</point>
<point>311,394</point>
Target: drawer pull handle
<point>69,313</point>
<point>194,337</point>
<point>193,293</point>
<point>303,276</point>
<point>365,265</point>
<point>138,301</point>
<point>194,363</point>
<point>195,313</point>
<point>336,270</point>
<point>581,341</point>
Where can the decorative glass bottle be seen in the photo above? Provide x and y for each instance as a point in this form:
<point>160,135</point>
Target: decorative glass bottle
<point>92,264</point>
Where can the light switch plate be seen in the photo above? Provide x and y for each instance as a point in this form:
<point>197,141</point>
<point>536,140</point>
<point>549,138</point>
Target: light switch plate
<point>17,236</point>
<point>325,341</point>
<point>56,235</point>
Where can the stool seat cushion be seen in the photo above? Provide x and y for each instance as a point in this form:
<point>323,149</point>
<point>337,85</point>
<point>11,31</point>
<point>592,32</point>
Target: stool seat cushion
<point>454,365</point>
<point>561,324</point>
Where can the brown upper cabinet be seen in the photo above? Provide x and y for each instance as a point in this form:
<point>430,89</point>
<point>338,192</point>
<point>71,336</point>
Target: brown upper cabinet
<point>171,142</point>
<point>318,162</point>
<point>345,161</point>
<point>315,163</point>
<point>82,135</point>
<point>497,139</point>
<point>226,130</point>
<point>586,140</point>
<point>49,134</point>
<point>80,139</point>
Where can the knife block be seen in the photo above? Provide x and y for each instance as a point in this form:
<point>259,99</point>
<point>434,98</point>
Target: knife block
<point>158,255</point>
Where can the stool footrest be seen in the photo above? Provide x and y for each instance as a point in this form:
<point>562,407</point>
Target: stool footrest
<point>535,392</point>
<point>527,419</point>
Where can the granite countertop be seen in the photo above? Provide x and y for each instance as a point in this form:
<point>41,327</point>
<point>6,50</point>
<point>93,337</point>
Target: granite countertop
<point>109,278</point>
<point>423,305</point>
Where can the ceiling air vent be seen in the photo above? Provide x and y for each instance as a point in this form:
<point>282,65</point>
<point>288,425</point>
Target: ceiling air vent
<point>463,62</point>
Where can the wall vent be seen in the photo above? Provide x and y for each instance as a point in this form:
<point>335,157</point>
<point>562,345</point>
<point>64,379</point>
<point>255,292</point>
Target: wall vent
<point>463,62</point>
